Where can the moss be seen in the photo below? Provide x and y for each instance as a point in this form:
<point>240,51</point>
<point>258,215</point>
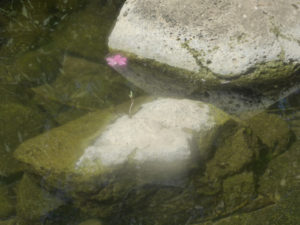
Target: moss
<point>233,155</point>
<point>85,33</point>
<point>91,222</point>
<point>273,131</point>
<point>283,213</point>
<point>12,221</point>
<point>35,21</point>
<point>281,174</point>
<point>238,191</point>
<point>35,67</point>
<point>18,123</point>
<point>85,85</point>
<point>33,202</point>
<point>7,203</point>
<point>264,78</point>
<point>54,154</point>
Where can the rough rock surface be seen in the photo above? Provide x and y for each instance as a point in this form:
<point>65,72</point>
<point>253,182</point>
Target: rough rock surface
<point>88,147</point>
<point>227,37</point>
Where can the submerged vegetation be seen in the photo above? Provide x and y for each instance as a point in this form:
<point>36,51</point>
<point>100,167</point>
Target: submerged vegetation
<point>57,95</point>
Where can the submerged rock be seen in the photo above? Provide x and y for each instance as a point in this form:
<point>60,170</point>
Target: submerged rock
<point>7,203</point>
<point>33,202</point>
<point>160,133</point>
<point>273,132</point>
<point>18,123</point>
<point>179,48</point>
<point>83,84</point>
<point>85,32</point>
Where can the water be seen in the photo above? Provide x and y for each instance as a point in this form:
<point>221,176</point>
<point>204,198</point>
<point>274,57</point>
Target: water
<point>53,71</point>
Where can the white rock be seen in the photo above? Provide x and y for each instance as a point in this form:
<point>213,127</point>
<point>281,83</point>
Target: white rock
<point>230,35</point>
<point>160,131</point>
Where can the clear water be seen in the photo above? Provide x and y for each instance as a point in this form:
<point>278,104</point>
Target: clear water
<point>53,71</point>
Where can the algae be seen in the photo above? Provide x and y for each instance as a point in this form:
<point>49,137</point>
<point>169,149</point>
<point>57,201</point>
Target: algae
<point>33,202</point>
<point>85,85</point>
<point>18,123</point>
<point>85,33</point>
<point>273,131</point>
<point>7,202</point>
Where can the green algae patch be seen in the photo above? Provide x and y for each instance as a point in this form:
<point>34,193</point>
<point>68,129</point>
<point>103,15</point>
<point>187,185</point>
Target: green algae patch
<point>7,202</point>
<point>158,78</point>
<point>286,212</point>
<point>273,131</point>
<point>57,151</point>
<point>34,21</point>
<point>281,174</point>
<point>236,152</point>
<point>84,85</point>
<point>91,222</point>
<point>36,67</point>
<point>18,123</point>
<point>54,154</point>
<point>85,32</point>
<point>238,191</point>
<point>33,202</point>
<point>12,221</point>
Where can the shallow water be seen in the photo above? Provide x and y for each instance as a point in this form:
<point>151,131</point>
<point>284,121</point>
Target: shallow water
<point>53,71</point>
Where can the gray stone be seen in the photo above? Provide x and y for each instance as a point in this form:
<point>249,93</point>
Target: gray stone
<point>157,139</point>
<point>230,37</point>
<point>240,57</point>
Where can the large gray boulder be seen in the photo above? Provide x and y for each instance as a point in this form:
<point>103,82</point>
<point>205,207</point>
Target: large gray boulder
<point>197,46</point>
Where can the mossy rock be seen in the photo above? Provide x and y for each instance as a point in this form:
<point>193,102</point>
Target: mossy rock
<point>273,131</point>
<point>85,85</point>
<point>238,191</point>
<point>35,67</point>
<point>281,174</point>
<point>18,123</point>
<point>12,221</point>
<point>285,212</point>
<point>34,21</point>
<point>98,189</point>
<point>7,202</point>
<point>91,222</point>
<point>33,202</point>
<point>85,32</point>
<point>56,160</point>
<point>233,154</point>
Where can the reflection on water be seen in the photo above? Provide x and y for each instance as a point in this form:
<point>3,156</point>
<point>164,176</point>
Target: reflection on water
<point>56,91</point>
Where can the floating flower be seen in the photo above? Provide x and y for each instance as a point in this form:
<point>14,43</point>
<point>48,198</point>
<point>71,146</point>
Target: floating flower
<point>116,60</point>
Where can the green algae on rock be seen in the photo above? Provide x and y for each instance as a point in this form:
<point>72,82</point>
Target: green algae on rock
<point>7,203</point>
<point>273,131</point>
<point>84,33</point>
<point>234,154</point>
<point>33,202</point>
<point>238,191</point>
<point>284,212</point>
<point>18,123</point>
<point>281,175</point>
<point>85,85</point>
<point>68,159</point>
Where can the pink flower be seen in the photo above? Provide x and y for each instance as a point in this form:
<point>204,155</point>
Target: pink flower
<point>116,60</point>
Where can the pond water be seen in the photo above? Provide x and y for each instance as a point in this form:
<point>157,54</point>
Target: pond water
<point>53,72</point>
